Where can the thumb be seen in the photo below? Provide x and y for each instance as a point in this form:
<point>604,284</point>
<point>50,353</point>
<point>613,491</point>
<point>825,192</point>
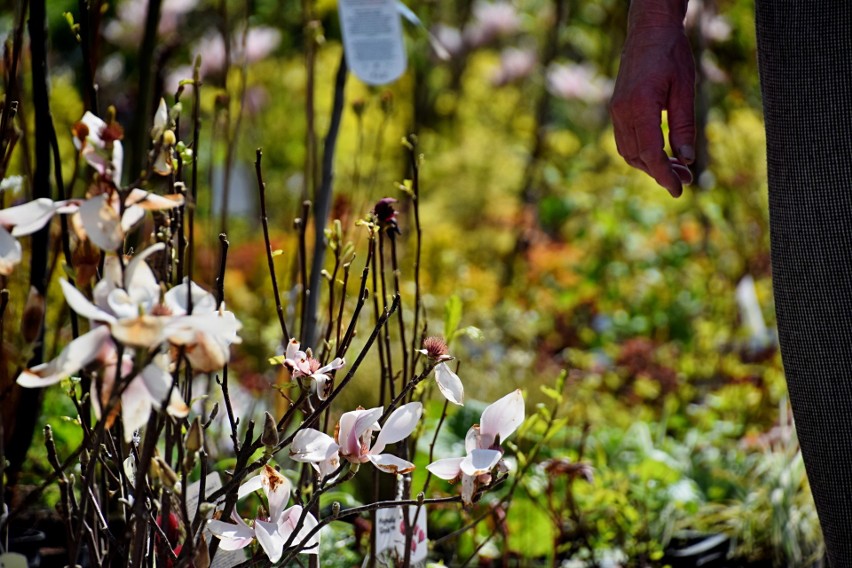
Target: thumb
<point>681,114</point>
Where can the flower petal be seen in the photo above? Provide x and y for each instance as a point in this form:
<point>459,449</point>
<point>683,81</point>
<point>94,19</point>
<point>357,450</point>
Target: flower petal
<point>28,217</point>
<point>269,539</point>
<point>399,425</point>
<point>292,351</point>
<point>324,385</point>
<point>250,486</point>
<point>391,464</point>
<point>139,280</point>
<point>478,462</point>
<point>501,419</point>
<point>76,355</point>
<point>277,489</point>
<point>231,536</point>
<point>80,304</point>
<point>202,300</point>
<point>311,445</point>
<point>353,425</point>
<point>143,331</point>
<point>136,405</point>
<point>468,489</point>
<point>288,523</point>
<point>335,364</point>
<point>447,468</point>
<point>153,201</point>
<point>449,384</point>
<point>101,223</point>
<point>132,216</point>
<point>10,252</point>
<point>158,382</point>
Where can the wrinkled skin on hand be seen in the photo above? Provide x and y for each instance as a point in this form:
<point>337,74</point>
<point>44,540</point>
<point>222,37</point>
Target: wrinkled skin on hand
<point>657,73</point>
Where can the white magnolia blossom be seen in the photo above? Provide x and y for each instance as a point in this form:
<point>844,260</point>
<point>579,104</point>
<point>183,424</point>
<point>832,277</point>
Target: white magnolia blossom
<point>449,383</point>
<point>482,446</point>
<point>302,364</point>
<point>101,220</point>
<point>21,220</point>
<point>354,440</point>
<point>128,307</point>
<point>147,390</point>
<point>273,531</point>
<point>106,157</point>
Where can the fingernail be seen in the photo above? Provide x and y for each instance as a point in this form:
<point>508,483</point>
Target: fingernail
<point>682,172</point>
<point>686,153</point>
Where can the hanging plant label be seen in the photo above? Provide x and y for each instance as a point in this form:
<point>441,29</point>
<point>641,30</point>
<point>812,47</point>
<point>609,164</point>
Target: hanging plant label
<point>372,39</point>
<point>390,538</point>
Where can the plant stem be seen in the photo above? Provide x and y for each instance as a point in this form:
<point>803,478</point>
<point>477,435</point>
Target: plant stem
<point>322,200</point>
<point>264,221</point>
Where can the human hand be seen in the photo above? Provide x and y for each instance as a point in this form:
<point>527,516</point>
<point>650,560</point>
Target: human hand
<point>657,72</point>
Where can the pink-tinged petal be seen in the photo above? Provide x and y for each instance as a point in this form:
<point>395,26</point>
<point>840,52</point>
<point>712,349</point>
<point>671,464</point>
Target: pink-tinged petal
<point>139,280</point>
<point>143,331</point>
<point>391,464</point>
<point>311,445</point>
<point>270,539</point>
<point>468,489</point>
<point>80,304</point>
<point>353,425</point>
<point>250,486</point>
<point>335,364</point>
<point>131,217</point>
<point>449,384</point>
<point>501,419</point>
<point>152,201</point>
<point>289,521</point>
<point>202,300</point>
<point>158,382</point>
<point>28,217</point>
<point>292,351</point>
<point>76,355</point>
<point>277,489</point>
<point>448,468</point>
<point>478,462</point>
<point>10,252</point>
<point>399,425</point>
<point>328,466</point>
<point>96,126</point>
<point>471,439</point>
<point>136,406</point>
<point>231,536</point>
<point>101,223</point>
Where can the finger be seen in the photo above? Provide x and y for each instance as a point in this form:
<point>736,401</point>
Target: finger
<point>681,111</point>
<point>649,139</point>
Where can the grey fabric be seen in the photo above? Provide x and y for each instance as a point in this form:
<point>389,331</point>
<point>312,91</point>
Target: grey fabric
<point>805,60</point>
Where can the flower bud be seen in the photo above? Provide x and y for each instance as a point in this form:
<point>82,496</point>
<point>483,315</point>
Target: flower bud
<point>269,438</point>
<point>169,138</point>
<point>194,438</point>
<point>33,317</point>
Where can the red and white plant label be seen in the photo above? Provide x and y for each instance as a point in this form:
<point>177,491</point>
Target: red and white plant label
<point>372,39</point>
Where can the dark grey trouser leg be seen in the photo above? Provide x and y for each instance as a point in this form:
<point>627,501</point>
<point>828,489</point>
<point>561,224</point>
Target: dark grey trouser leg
<point>805,59</point>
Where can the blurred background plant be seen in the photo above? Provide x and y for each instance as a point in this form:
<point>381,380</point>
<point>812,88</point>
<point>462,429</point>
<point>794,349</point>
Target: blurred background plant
<point>555,253</point>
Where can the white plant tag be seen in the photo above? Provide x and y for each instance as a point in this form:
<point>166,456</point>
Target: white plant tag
<point>13,560</point>
<point>372,39</point>
<point>390,537</point>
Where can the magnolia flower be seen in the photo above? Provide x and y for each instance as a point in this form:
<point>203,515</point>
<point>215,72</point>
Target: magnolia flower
<point>354,435</point>
<point>101,221</point>
<point>302,364</point>
<point>449,383</point>
<point>100,145</point>
<point>580,82</point>
<point>147,390</point>
<point>482,445</point>
<point>130,309</point>
<point>21,220</point>
<point>273,531</point>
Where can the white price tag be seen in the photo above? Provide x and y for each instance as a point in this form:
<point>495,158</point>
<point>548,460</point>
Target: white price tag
<point>390,538</point>
<point>372,39</point>
<point>13,560</point>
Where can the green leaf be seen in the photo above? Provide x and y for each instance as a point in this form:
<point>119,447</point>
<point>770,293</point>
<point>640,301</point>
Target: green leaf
<point>277,360</point>
<point>277,252</point>
<point>551,393</point>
